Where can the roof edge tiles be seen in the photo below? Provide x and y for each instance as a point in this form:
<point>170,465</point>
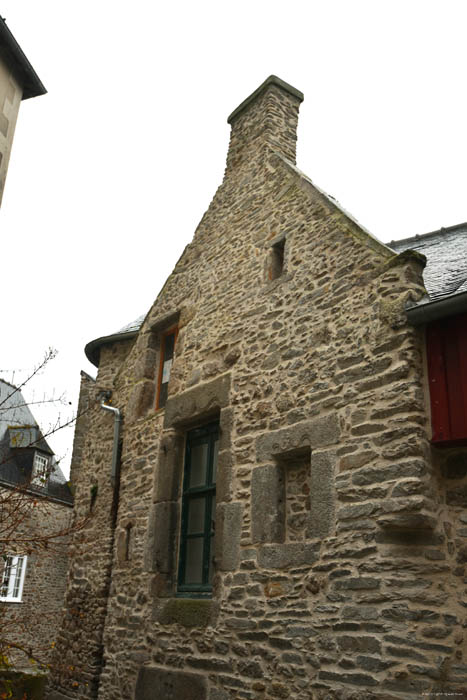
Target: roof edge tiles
<point>422,236</point>
<point>272,80</point>
<point>15,56</point>
<point>92,349</point>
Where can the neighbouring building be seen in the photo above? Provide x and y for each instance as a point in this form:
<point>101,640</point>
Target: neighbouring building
<point>35,505</point>
<point>275,456</point>
<point>18,81</point>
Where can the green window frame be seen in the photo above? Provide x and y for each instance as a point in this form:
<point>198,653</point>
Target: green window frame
<point>195,570</point>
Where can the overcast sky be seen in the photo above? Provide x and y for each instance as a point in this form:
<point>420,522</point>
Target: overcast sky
<point>112,170</point>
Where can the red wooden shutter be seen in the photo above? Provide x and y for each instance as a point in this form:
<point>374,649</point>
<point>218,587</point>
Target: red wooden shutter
<point>447,375</point>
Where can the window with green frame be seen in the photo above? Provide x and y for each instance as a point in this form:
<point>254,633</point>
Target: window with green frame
<point>195,568</point>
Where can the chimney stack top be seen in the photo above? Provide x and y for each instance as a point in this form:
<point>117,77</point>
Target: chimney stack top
<point>272,80</point>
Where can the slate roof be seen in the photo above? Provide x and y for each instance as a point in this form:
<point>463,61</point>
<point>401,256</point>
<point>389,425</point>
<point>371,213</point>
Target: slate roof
<point>129,331</point>
<point>20,438</point>
<point>13,54</point>
<point>446,253</point>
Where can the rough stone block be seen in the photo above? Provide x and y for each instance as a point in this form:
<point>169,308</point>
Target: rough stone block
<point>322,494</point>
<point>160,538</point>
<point>160,683</point>
<point>228,534</point>
<point>282,556</point>
<point>268,504</point>
<point>318,432</point>
<point>168,476</point>
<point>141,399</point>
<point>202,400</point>
<point>224,476</point>
<point>226,428</point>
<point>457,497</point>
<point>188,612</point>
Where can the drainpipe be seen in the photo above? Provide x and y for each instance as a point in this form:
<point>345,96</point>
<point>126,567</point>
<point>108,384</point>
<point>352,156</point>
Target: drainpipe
<point>117,423</point>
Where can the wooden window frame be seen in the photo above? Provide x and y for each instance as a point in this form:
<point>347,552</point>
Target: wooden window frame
<point>170,331</point>
<point>40,469</point>
<point>207,434</point>
<point>12,580</point>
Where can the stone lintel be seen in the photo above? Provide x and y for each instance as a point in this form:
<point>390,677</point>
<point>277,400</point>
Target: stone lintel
<point>314,433</point>
<point>201,402</point>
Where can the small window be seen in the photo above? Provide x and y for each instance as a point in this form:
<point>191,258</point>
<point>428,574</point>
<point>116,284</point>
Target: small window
<point>165,365</point>
<point>446,341</point>
<point>11,589</point>
<point>40,470</point>
<point>276,260</point>
<point>198,510</point>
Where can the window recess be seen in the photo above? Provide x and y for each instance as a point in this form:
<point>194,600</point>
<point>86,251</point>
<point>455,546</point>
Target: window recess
<point>195,569</point>
<point>446,342</point>
<point>167,348</point>
<point>276,260</point>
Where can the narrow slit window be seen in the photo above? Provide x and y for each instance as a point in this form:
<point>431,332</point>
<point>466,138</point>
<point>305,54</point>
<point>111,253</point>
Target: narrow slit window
<point>276,267</point>
<point>167,352</point>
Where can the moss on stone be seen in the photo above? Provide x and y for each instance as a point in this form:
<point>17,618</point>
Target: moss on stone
<point>406,256</point>
<point>187,612</point>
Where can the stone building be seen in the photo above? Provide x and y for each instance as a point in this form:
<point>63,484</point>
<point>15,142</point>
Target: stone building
<point>35,502</point>
<point>18,81</point>
<point>277,510</point>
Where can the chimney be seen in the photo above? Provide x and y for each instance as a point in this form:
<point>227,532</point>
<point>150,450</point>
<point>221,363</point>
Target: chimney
<point>263,123</point>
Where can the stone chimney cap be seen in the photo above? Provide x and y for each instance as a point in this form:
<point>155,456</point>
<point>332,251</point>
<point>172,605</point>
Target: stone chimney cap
<point>272,80</point>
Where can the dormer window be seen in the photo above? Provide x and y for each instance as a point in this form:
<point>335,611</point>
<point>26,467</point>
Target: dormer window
<point>40,470</point>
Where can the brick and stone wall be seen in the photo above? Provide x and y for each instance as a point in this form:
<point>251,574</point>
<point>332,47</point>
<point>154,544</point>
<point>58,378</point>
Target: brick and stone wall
<point>34,622</point>
<point>339,553</point>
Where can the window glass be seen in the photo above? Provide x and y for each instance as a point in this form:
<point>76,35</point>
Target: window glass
<point>11,588</point>
<point>196,515</point>
<point>198,511</point>
<point>194,561</point>
<point>199,465</point>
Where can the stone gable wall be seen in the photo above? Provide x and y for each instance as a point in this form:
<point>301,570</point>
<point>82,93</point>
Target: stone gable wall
<point>336,571</point>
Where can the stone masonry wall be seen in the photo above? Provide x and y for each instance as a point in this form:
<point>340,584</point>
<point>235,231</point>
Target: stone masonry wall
<point>34,622</point>
<point>338,565</point>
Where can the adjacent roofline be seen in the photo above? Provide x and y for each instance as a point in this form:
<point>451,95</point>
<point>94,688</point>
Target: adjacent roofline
<point>422,236</point>
<point>14,55</point>
<point>36,493</point>
<point>272,80</point>
<point>92,349</point>
<point>425,312</point>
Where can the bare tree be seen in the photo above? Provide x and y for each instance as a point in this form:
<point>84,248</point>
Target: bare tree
<point>36,523</point>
